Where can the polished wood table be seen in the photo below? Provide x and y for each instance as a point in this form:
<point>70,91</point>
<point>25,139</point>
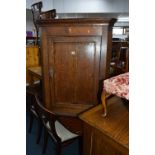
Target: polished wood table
<point>34,73</point>
<point>107,135</point>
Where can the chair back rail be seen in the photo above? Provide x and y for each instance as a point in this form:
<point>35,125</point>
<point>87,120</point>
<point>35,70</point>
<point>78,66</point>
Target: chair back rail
<point>48,119</point>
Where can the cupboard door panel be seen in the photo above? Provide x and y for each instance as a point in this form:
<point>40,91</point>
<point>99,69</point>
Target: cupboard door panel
<point>85,72</point>
<point>75,66</point>
<point>64,72</point>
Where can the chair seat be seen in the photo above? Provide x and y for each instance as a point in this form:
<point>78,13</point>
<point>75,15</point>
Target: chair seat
<point>62,132</point>
<point>118,85</point>
<point>35,82</point>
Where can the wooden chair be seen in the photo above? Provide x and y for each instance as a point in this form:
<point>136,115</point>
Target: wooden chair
<point>117,85</point>
<point>59,134</point>
<point>31,108</point>
<point>124,59</point>
<point>36,11</point>
<point>38,14</point>
<point>32,60</point>
<point>120,64</point>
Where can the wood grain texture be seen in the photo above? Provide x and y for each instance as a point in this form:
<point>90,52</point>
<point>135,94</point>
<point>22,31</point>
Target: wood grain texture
<point>35,71</point>
<point>108,135</point>
<point>74,60</point>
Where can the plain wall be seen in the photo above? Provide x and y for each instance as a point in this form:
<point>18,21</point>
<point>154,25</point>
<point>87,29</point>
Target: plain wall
<point>91,6</point>
<point>83,6</point>
<point>79,6</point>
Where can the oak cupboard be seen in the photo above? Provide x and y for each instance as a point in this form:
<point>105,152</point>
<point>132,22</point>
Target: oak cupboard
<point>75,57</point>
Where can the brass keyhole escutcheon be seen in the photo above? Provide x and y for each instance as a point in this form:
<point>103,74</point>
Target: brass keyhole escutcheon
<point>73,52</point>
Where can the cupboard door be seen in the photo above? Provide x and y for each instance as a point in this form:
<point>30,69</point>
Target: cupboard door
<point>63,79</point>
<point>74,65</point>
<point>85,80</point>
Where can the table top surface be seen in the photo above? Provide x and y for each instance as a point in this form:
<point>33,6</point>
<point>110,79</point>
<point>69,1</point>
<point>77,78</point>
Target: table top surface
<point>115,125</point>
<point>37,71</point>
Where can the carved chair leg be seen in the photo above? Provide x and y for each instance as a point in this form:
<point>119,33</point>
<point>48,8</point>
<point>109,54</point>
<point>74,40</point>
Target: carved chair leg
<point>45,141</point>
<point>39,132</point>
<point>104,103</point>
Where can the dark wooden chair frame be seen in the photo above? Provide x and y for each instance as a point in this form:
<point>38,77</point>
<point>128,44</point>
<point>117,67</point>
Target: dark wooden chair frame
<point>31,108</point>
<point>37,14</point>
<point>46,115</point>
<point>120,69</point>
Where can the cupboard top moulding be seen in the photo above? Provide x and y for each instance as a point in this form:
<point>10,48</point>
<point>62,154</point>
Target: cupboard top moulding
<point>77,26</point>
<point>102,21</point>
<point>75,56</point>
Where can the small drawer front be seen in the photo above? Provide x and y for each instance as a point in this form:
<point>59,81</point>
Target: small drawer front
<point>74,31</point>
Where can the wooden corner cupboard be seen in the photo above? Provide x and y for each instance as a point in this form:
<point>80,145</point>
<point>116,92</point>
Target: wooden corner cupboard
<point>75,57</point>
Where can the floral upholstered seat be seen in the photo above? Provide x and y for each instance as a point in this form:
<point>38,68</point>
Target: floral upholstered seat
<point>118,85</point>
